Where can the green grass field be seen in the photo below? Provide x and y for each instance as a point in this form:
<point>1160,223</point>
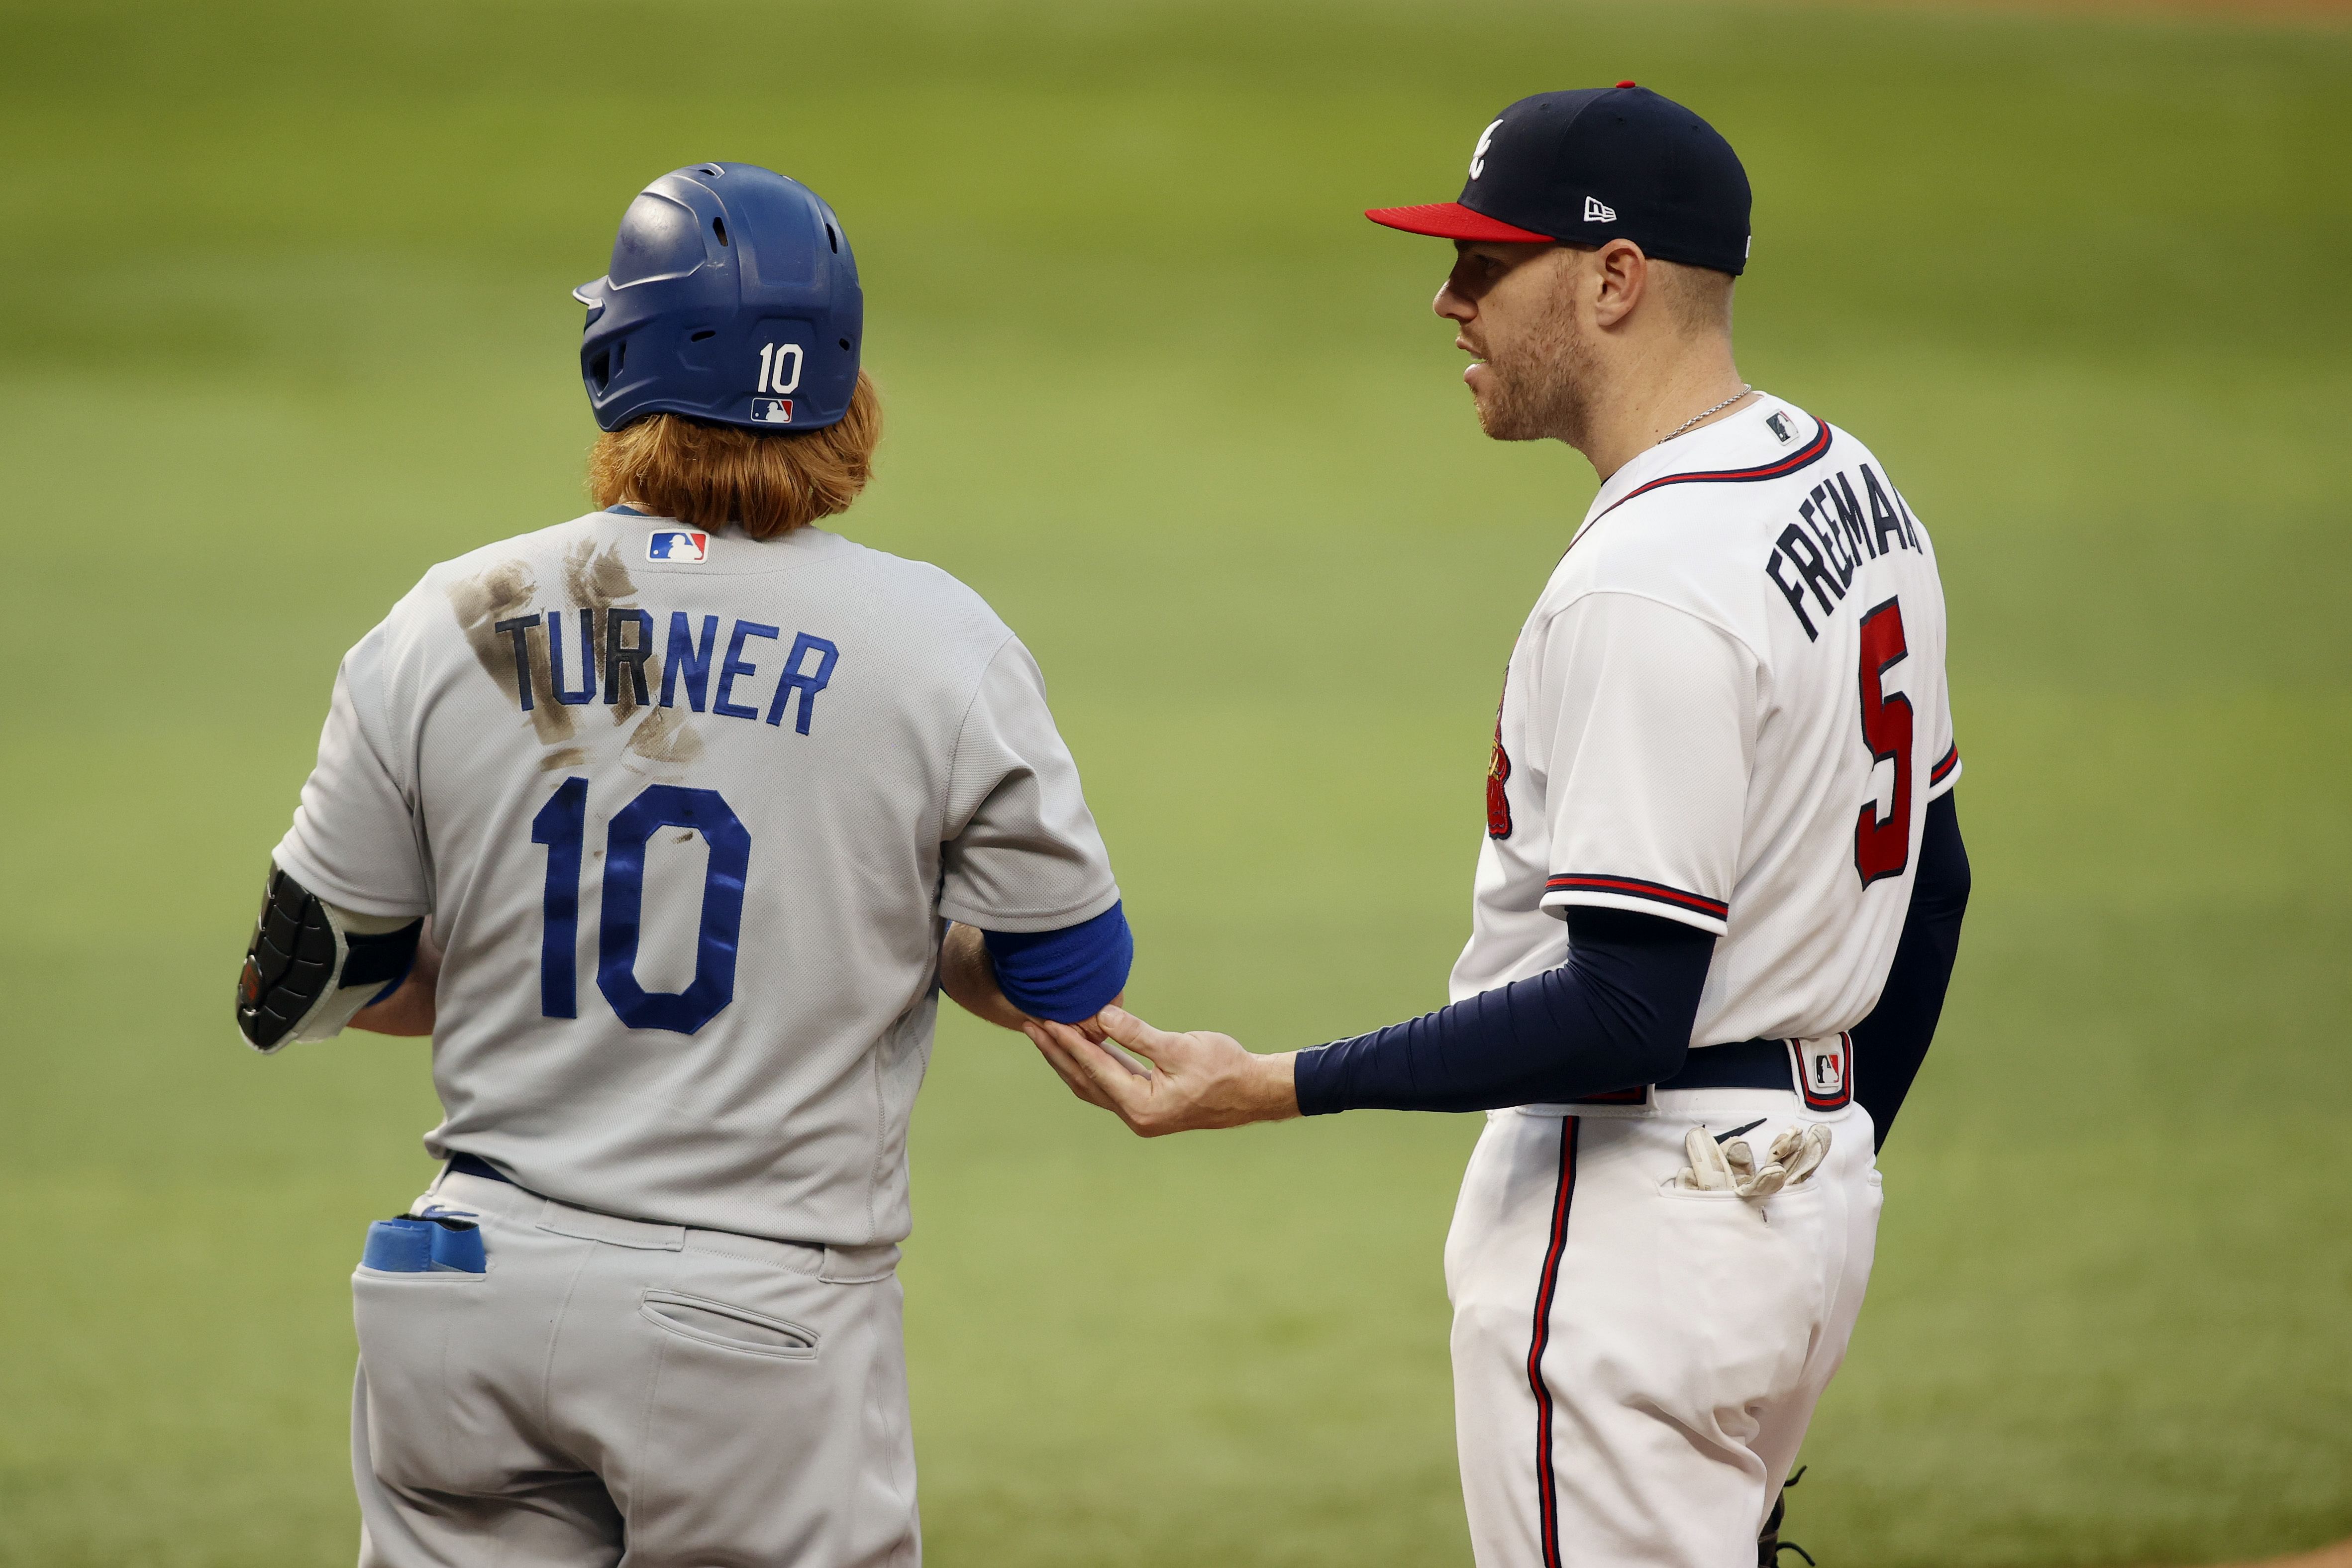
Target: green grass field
<point>286,320</point>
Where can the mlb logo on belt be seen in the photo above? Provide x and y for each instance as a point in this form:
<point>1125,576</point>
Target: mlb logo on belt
<point>1825,1070</point>
<point>678,544</point>
<point>773,410</point>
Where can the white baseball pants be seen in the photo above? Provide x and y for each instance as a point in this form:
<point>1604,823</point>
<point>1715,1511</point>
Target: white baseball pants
<point>1635,1365</point>
<point>613,1391</point>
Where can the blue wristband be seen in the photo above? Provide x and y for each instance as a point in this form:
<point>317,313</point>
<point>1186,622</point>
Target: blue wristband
<point>1066,975</point>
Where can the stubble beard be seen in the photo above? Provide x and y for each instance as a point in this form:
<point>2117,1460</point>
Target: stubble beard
<point>1543,388</point>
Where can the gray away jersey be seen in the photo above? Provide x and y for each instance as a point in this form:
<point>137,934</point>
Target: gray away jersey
<point>687,809</point>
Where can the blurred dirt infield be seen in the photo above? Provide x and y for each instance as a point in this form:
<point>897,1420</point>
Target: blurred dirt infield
<point>2326,13</point>
<point>2336,1556</point>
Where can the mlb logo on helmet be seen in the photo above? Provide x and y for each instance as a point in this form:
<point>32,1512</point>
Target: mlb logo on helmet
<point>678,544</point>
<point>773,410</point>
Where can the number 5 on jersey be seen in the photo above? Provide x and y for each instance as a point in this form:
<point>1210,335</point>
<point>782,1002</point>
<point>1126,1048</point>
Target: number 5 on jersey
<point>561,824</point>
<point>1882,845</point>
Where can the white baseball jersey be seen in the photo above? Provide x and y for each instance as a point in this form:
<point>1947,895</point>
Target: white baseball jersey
<point>687,809</point>
<point>1728,708</point>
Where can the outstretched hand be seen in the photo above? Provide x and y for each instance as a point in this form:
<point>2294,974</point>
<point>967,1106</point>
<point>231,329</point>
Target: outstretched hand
<point>1188,1082</point>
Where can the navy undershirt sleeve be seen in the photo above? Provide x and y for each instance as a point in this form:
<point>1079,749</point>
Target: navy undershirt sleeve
<point>1616,1014</point>
<point>1889,1044</point>
<point>1066,975</point>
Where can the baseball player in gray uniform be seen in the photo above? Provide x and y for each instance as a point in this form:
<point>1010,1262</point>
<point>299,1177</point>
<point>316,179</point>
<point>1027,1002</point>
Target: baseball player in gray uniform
<point>666,823</point>
<point>1720,891</point>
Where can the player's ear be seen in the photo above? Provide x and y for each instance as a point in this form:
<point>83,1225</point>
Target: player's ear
<point>1622,279</point>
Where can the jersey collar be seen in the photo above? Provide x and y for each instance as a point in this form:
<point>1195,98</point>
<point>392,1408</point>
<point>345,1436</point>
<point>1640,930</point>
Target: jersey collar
<point>1764,440</point>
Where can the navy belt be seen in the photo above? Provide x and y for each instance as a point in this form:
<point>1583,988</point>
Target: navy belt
<point>474,1165</point>
<point>1750,1064</point>
<point>1820,1071</point>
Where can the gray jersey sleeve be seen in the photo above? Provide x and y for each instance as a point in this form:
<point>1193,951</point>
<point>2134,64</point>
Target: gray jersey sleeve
<point>354,841</point>
<point>1021,851</point>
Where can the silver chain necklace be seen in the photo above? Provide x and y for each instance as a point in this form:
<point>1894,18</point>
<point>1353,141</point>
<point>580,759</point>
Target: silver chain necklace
<point>1744,390</point>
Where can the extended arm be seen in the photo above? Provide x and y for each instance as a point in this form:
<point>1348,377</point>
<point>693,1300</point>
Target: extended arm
<point>1617,1014</point>
<point>1889,1044</point>
<point>1633,802</point>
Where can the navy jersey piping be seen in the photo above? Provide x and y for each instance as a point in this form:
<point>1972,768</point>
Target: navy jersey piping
<point>1810,453</point>
<point>1636,888</point>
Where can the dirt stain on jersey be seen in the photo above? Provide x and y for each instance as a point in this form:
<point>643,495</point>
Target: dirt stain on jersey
<point>663,735</point>
<point>596,577</point>
<point>597,580</point>
<point>479,603</point>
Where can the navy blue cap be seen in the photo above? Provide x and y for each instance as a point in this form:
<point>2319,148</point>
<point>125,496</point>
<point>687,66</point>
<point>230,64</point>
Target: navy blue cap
<point>1594,165</point>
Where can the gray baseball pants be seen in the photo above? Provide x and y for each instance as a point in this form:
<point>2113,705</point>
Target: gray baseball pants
<point>614,1392</point>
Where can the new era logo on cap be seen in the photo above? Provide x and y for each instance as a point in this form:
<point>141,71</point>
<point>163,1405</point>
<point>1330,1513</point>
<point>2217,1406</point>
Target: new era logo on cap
<point>773,410</point>
<point>1596,211</point>
<point>678,544</point>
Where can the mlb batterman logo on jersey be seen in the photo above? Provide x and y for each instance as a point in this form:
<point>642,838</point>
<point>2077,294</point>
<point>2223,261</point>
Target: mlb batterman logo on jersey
<point>678,544</point>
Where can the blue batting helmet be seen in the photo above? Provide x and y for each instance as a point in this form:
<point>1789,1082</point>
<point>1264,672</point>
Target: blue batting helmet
<point>732,298</point>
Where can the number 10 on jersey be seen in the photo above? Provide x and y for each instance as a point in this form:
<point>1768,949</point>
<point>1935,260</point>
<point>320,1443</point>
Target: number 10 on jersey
<point>561,824</point>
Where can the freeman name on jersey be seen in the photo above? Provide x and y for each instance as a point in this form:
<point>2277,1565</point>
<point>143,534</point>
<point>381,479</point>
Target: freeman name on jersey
<point>1832,516</point>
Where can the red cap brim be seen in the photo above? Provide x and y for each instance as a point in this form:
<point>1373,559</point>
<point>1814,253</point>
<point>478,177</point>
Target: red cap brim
<point>1451,220</point>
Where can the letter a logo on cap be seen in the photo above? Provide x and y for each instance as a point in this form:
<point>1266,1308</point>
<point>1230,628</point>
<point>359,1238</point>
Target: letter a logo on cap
<point>1478,153</point>
<point>1594,212</point>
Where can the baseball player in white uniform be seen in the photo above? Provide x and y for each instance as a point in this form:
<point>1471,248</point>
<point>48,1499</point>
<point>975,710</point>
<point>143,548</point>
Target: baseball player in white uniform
<point>689,791</point>
<point>1720,893</point>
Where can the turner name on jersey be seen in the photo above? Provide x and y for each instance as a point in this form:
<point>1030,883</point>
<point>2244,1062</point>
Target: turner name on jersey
<point>625,637</point>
